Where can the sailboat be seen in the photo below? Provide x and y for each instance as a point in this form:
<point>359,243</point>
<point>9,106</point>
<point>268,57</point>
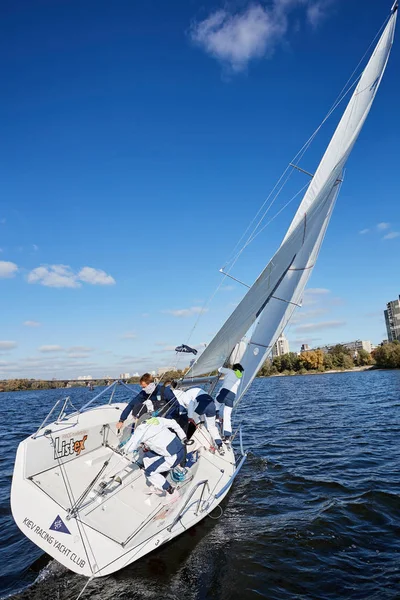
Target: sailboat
<point>76,495</point>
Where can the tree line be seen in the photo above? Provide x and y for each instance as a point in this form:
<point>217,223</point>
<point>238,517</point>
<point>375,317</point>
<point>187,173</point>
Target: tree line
<point>310,361</point>
<point>19,385</point>
<point>338,358</point>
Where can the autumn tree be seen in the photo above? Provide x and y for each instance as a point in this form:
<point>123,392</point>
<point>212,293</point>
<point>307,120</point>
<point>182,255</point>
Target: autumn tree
<point>312,360</point>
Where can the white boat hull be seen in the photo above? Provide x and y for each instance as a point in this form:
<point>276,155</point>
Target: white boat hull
<point>109,528</point>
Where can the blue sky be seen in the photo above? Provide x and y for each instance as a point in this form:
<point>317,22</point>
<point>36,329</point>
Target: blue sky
<point>138,142</point>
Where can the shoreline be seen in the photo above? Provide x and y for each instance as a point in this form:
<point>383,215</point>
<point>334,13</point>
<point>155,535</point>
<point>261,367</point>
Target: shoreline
<point>330,371</point>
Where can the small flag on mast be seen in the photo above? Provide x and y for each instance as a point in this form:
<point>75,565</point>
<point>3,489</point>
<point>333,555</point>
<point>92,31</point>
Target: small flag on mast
<point>186,349</point>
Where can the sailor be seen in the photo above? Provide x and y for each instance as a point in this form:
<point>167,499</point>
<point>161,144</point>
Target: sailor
<point>202,407</point>
<point>162,442</point>
<point>152,397</point>
<point>183,404</point>
<point>226,397</point>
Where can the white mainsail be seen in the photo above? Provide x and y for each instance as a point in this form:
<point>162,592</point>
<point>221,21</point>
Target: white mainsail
<point>279,288</point>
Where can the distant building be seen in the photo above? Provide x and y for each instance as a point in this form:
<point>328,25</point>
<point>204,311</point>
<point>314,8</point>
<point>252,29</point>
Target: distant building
<point>84,378</point>
<point>124,376</point>
<point>304,348</point>
<point>354,346</point>
<point>358,345</point>
<point>281,346</point>
<point>392,319</point>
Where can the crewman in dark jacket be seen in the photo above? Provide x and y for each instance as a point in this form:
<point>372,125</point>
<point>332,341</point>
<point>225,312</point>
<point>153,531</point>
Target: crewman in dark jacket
<point>151,398</point>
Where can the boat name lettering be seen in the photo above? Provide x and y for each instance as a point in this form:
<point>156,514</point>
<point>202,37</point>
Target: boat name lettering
<point>55,543</point>
<point>67,447</point>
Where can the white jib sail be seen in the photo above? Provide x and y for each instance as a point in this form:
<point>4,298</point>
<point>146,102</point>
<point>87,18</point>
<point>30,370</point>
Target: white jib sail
<point>303,237</point>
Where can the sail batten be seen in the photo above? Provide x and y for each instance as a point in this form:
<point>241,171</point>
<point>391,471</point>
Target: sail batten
<point>279,288</point>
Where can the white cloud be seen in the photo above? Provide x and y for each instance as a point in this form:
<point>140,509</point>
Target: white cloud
<point>60,276</point>
<point>317,291</point>
<point>7,269</point>
<point>313,295</point>
<point>165,349</point>
<point>35,247</point>
<point>391,235</point>
<point>57,276</point>
<point>129,335</point>
<point>32,323</point>
<point>318,326</point>
<point>77,355</point>
<point>134,359</point>
<point>185,312</point>
<point>51,348</point>
<point>307,340</point>
<point>80,349</point>
<point>382,226</point>
<point>7,345</point>
<point>236,38</point>
<point>364,231</point>
<point>302,315</point>
<point>317,12</point>
<point>95,276</point>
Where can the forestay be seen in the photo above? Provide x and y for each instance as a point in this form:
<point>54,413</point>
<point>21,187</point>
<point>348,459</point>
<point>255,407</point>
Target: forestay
<point>279,288</point>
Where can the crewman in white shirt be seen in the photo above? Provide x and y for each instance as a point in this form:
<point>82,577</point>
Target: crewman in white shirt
<point>226,397</point>
<point>163,449</point>
<point>202,407</point>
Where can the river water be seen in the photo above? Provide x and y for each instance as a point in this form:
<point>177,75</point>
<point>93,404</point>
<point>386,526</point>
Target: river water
<point>314,513</point>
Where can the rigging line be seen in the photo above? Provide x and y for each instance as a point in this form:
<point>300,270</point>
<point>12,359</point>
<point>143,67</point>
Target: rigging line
<point>297,158</point>
<point>276,215</point>
<point>257,213</point>
<point>199,429</point>
<point>84,588</point>
<point>235,258</point>
<point>305,147</point>
<point>279,212</point>
<point>63,474</point>
<point>70,494</point>
<point>207,302</point>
